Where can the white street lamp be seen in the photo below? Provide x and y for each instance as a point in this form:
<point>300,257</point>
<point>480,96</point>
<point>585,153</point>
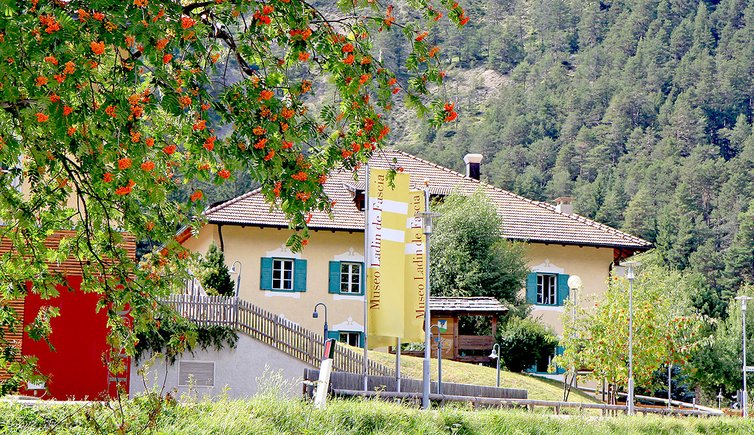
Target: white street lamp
<point>630,265</point>
<point>238,276</point>
<point>496,355</point>
<point>426,217</point>
<point>744,399</point>
<point>574,284</point>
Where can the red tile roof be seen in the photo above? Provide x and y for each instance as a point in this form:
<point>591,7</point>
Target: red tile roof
<point>523,219</point>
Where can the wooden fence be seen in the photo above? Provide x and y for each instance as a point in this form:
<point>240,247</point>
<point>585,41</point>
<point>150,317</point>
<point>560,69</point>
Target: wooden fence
<point>275,331</point>
<point>341,381</point>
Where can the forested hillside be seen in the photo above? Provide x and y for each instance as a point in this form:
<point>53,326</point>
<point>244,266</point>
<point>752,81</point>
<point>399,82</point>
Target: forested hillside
<point>640,109</point>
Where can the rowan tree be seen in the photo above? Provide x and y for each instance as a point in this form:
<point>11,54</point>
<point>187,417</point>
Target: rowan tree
<point>108,107</point>
<point>666,330</point>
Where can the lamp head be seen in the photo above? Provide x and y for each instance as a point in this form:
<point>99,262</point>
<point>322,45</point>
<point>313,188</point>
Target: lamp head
<point>315,314</point>
<point>630,266</point>
<point>743,299</point>
<point>233,267</point>
<point>574,282</point>
<point>494,355</point>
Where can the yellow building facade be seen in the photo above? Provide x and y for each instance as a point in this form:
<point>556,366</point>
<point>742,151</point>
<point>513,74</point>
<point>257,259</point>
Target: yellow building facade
<point>558,243</point>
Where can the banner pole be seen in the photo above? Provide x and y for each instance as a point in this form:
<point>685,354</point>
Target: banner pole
<point>398,366</point>
<point>427,223</point>
<point>367,261</point>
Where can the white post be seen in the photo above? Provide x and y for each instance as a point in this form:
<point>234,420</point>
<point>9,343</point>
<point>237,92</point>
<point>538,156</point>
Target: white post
<point>630,276</point>
<point>744,399</point>
<point>325,369</point>
<point>743,334</point>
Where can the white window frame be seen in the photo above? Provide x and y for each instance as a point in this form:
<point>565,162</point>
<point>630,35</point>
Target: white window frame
<point>547,289</point>
<point>279,280</point>
<point>348,276</point>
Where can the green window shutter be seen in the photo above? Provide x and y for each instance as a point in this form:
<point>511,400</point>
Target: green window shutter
<point>531,288</point>
<point>299,275</point>
<point>361,340</point>
<point>265,278</point>
<point>333,334</point>
<point>563,290</point>
<point>334,277</point>
<point>363,283</point>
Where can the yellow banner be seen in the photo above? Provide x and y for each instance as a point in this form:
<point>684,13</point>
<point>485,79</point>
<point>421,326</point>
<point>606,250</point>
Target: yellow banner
<point>414,278</point>
<point>386,232</point>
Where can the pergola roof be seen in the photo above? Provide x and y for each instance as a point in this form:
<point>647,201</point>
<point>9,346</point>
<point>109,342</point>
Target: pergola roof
<point>473,304</point>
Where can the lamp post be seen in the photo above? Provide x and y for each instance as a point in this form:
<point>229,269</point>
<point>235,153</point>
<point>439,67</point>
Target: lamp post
<point>438,340</point>
<point>315,314</point>
<point>427,217</point>
<point>744,398</point>
<point>630,265</point>
<point>238,275</point>
<point>670,385</point>
<point>574,284</point>
<point>496,355</point>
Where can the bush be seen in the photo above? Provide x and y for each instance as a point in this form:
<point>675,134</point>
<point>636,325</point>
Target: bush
<point>526,342</point>
<point>214,275</point>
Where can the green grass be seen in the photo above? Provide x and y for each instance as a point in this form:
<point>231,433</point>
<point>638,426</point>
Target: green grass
<point>273,415</point>
<point>464,373</point>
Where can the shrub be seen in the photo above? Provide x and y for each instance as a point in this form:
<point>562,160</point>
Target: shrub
<point>525,342</point>
<point>214,275</point>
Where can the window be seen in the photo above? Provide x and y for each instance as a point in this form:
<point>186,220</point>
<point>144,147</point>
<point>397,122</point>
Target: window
<point>350,338</point>
<point>546,290</point>
<point>350,278</point>
<point>346,278</point>
<point>283,274</point>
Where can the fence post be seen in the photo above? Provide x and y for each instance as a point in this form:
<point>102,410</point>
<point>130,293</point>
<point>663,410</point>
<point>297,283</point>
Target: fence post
<point>276,322</point>
<point>235,313</point>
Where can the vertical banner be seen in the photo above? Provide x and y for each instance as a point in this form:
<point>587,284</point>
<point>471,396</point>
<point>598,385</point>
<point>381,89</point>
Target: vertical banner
<point>415,295</point>
<point>388,213</point>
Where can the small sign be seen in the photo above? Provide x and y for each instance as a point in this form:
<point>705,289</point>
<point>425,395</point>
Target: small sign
<point>442,326</point>
<point>749,369</point>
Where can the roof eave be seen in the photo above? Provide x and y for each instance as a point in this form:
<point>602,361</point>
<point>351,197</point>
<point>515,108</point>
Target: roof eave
<point>361,230</point>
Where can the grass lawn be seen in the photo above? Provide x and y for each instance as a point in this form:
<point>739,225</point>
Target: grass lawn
<point>274,415</point>
<point>464,373</point>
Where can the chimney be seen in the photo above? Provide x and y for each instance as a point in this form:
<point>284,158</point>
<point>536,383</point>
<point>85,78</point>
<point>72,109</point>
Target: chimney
<point>564,204</point>
<point>472,165</point>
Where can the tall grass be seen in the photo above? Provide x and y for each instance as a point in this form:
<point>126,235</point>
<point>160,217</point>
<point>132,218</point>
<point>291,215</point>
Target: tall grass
<point>271,414</point>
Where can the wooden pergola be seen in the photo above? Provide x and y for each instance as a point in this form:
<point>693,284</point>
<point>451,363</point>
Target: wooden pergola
<point>448,310</point>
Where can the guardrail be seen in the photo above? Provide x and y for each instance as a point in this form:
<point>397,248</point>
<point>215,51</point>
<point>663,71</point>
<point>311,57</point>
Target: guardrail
<point>521,403</point>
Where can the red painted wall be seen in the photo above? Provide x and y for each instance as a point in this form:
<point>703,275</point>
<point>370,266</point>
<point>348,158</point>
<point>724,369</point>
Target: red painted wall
<point>75,368</point>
